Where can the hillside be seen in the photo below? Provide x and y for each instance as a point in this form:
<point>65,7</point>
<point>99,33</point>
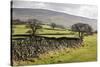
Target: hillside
<point>48,16</point>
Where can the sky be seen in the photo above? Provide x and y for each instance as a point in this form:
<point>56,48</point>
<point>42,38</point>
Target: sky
<point>88,11</point>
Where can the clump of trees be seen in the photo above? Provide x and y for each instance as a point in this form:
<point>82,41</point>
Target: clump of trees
<point>82,28</point>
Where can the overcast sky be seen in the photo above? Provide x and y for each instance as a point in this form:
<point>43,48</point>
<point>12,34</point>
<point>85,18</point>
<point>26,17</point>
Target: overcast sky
<point>89,11</point>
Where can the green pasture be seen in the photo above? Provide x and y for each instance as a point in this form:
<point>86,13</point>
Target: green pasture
<point>68,55</point>
<point>44,31</point>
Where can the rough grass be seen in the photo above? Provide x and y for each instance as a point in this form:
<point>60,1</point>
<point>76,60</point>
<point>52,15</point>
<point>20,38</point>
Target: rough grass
<point>68,55</point>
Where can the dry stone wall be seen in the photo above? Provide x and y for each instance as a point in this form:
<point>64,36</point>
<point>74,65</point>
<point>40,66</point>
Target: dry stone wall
<point>24,48</point>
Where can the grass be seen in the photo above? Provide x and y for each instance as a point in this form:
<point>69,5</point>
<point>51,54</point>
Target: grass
<point>68,55</point>
<point>57,36</point>
<point>21,29</point>
<point>45,31</point>
<point>83,54</point>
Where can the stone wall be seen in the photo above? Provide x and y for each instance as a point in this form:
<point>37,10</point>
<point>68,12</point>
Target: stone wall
<point>24,48</point>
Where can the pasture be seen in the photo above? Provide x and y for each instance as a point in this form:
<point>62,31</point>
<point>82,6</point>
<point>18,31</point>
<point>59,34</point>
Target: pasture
<point>68,55</point>
<point>44,31</point>
<point>88,52</point>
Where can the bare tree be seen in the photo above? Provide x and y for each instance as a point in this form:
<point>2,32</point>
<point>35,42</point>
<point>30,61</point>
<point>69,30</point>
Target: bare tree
<point>34,24</point>
<point>81,28</point>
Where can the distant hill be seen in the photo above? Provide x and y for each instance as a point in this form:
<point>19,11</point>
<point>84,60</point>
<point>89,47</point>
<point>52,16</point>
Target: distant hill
<point>48,16</point>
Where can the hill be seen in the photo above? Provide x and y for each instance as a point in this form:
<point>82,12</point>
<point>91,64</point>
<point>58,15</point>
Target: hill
<point>48,16</point>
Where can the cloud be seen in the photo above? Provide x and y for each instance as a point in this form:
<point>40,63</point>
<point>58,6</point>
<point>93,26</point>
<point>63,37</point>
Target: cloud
<point>89,11</point>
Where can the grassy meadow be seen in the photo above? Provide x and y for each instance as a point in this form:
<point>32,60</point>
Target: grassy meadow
<point>88,52</point>
<point>46,30</point>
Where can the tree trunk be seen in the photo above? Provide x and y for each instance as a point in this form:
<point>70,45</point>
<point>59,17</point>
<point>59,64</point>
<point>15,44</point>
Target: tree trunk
<point>82,35</point>
<point>79,34</point>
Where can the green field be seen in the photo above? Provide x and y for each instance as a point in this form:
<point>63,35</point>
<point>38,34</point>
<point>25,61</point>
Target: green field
<point>21,29</point>
<point>44,31</point>
<point>82,54</point>
<point>68,55</point>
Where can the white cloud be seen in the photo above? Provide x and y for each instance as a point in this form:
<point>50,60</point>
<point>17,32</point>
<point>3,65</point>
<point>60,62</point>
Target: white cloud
<point>89,11</point>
